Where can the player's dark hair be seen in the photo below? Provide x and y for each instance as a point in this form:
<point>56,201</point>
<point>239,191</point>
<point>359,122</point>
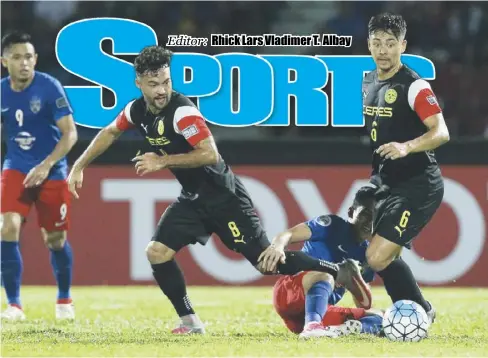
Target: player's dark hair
<point>14,38</point>
<point>152,59</point>
<point>365,197</point>
<point>387,22</point>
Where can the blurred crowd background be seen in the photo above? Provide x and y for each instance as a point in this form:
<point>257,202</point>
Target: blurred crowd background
<point>452,34</point>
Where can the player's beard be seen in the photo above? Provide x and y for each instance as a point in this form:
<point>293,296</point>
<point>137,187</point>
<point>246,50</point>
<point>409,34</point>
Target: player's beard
<point>161,101</point>
<point>158,104</point>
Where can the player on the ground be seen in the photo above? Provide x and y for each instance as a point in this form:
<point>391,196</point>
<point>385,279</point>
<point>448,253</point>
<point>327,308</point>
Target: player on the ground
<point>405,124</point>
<point>302,300</point>
<point>212,200</point>
<point>41,131</point>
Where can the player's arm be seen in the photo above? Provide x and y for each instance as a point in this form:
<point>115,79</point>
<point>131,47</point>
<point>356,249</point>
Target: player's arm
<point>205,153</point>
<point>422,100</point>
<point>189,122</point>
<point>102,141</point>
<point>315,229</point>
<point>275,252</point>
<point>62,114</point>
<point>436,135</point>
<point>69,136</point>
<point>98,145</point>
<point>298,233</point>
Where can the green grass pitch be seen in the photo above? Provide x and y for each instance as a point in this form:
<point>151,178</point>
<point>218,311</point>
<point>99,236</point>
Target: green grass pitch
<point>135,321</point>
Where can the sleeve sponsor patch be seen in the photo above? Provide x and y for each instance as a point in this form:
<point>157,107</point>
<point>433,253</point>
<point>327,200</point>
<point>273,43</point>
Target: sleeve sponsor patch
<point>324,220</point>
<point>62,102</point>
<point>432,100</point>
<point>190,131</point>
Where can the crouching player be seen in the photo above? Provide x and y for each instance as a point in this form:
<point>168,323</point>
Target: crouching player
<point>305,301</point>
<point>310,313</point>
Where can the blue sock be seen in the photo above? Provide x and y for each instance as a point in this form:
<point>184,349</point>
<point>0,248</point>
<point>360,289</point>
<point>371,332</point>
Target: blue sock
<point>371,324</point>
<point>11,270</point>
<point>62,261</point>
<point>316,301</point>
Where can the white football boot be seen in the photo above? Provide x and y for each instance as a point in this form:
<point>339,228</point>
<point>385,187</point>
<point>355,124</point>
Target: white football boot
<point>351,327</point>
<point>316,330</point>
<point>13,313</point>
<point>65,311</point>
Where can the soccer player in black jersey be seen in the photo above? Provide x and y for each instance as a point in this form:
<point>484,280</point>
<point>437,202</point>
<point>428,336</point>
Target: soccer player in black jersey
<point>212,200</point>
<point>405,124</point>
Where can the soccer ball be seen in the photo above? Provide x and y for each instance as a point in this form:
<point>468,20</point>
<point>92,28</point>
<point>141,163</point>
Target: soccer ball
<point>405,321</point>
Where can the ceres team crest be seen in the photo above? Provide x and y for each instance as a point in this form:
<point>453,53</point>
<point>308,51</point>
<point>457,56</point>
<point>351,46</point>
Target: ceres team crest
<point>161,127</point>
<point>390,96</point>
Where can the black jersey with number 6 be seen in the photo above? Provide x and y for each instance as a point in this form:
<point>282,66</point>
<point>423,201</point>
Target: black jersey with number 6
<point>394,111</point>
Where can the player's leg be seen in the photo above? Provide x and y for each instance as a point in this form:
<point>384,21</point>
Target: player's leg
<point>346,321</point>
<point>400,218</point>
<point>239,228</point>
<point>235,220</point>
<point>15,205</point>
<point>53,208</point>
<point>12,265</point>
<point>399,281</point>
<point>301,301</point>
<point>289,301</point>
<point>318,286</point>
<point>179,226</point>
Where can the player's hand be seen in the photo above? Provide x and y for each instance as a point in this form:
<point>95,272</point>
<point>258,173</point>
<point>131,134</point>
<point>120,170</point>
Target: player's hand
<point>270,257</point>
<point>148,163</point>
<point>393,150</point>
<point>37,175</point>
<point>75,181</point>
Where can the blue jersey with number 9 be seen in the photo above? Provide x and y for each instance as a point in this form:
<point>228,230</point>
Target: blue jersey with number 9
<point>29,118</point>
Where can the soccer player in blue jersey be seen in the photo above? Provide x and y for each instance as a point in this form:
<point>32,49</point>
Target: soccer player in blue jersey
<point>305,301</point>
<point>40,132</point>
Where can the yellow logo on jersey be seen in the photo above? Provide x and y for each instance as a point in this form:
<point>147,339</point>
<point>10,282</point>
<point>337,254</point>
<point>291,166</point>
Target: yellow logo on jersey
<point>158,141</point>
<point>160,127</point>
<point>378,111</point>
<point>391,96</point>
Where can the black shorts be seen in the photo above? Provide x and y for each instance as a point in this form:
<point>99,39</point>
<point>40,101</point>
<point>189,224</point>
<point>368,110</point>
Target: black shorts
<point>229,214</point>
<point>402,214</point>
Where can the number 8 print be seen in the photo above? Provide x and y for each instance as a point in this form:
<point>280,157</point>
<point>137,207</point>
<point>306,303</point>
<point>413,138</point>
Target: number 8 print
<point>234,229</point>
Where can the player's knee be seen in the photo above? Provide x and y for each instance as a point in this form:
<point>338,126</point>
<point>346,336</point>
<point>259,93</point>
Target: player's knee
<point>158,253</point>
<point>313,277</point>
<point>10,228</point>
<point>55,239</point>
<point>376,261</point>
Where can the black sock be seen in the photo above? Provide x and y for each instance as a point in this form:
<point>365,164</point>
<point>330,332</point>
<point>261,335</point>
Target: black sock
<point>297,261</point>
<point>401,285</point>
<point>171,281</point>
